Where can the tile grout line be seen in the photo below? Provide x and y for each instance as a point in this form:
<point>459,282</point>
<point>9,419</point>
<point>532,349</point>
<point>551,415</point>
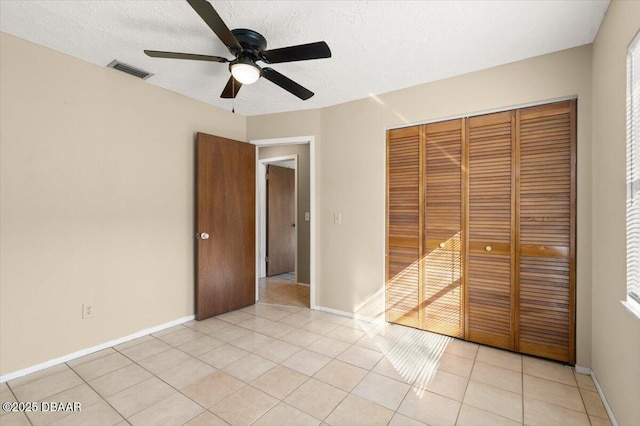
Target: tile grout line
<point>411,386</point>
<point>64,390</point>
<point>159,378</point>
<point>16,398</point>
<point>335,358</point>
<point>557,405</point>
<point>279,400</point>
<point>310,377</point>
<point>467,386</point>
<point>522,384</point>
<point>101,397</point>
<point>301,384</point>
<point>584,404</point>
<point>132,363</point>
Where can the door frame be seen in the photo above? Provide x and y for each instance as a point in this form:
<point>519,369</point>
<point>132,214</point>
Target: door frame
<point>261,187</point>
<point>295,140</point>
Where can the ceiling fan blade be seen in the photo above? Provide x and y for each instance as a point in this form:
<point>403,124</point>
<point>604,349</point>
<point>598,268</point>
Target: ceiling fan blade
<point>215,22</point>
<point>177,55</point>
<point>231,89</point>
<point>301,52</point>
<point>286,83</point>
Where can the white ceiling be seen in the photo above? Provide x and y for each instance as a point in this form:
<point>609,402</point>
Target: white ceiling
<point>377,46</point>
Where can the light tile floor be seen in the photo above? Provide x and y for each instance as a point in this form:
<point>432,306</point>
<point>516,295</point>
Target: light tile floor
<point>283,365</point>
<point>283,290</point>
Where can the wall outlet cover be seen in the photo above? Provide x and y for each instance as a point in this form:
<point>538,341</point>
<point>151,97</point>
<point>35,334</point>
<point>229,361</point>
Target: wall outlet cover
<point>87,310</point>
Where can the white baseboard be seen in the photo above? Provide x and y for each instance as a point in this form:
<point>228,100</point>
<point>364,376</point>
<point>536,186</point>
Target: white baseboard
<point>87,351</point>
<point>583,370</point>
<point>334,311</point>
<point>351,315</point>
<point>588,371</point>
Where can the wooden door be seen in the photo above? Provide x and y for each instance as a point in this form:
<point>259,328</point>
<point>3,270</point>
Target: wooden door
<point>281,220</point>
<point>403,226</point>
<point>490,308</point>
<point>225,220</point>
<point>441,292</point>
<point>546,226</point>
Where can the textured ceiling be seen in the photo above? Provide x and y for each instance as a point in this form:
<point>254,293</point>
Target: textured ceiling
<point>377,46</point>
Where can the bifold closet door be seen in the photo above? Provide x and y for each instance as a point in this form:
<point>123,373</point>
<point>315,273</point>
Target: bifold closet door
<point>481,229</point>
<point>546,313</point>
<point>489,265</point>
<point>403,226</point>
<point>441,295</point>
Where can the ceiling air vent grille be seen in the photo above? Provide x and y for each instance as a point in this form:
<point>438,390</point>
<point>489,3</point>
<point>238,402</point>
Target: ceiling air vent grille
<point>137,72</point>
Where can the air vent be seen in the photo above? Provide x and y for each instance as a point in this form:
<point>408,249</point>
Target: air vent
<point>137,72</point>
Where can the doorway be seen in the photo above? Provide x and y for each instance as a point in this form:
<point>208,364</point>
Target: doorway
<point>281,236</point>
<point>294,286</point>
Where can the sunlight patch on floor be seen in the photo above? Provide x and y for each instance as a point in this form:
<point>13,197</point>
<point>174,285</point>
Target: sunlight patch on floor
<point>414,354</point>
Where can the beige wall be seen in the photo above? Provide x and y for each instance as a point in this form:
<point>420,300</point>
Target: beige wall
<point>97,178</point>
<point>304,200</point>
<point>351,166</point>
<point>616,333</point>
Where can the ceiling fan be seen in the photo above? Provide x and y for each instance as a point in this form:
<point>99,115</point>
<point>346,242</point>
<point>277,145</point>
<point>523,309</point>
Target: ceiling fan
<point>248,47</point>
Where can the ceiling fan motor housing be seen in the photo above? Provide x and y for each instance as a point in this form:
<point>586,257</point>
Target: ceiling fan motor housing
<point>252,42</point>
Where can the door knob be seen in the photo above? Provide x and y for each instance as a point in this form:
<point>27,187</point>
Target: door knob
<point>488,248</point>
<point>441,245</point>
<point>203,236</point>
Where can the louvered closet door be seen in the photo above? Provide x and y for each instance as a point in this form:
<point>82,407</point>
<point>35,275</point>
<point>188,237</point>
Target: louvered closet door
<point>403,226</point>
<point>442,245</point>
<point>546,227</point>
<point>489,266</point>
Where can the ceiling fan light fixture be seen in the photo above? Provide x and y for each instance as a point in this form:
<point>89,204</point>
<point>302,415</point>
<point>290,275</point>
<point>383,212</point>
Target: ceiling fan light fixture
<point>246,72</point>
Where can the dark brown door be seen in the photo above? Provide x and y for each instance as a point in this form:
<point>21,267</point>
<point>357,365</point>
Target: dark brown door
<point>225,249</point>
<point>281,244</point>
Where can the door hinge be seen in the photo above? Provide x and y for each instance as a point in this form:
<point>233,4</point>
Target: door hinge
<point>266,258</point>
<point>266,176</point>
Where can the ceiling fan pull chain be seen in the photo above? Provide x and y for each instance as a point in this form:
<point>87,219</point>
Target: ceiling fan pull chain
<point>233,90</point>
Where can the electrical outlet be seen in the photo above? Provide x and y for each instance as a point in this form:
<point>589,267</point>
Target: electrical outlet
<point>87,310</point>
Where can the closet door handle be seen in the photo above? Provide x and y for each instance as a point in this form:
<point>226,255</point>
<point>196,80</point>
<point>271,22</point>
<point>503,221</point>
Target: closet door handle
<point>488,248</point>
<point>441,245</point>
